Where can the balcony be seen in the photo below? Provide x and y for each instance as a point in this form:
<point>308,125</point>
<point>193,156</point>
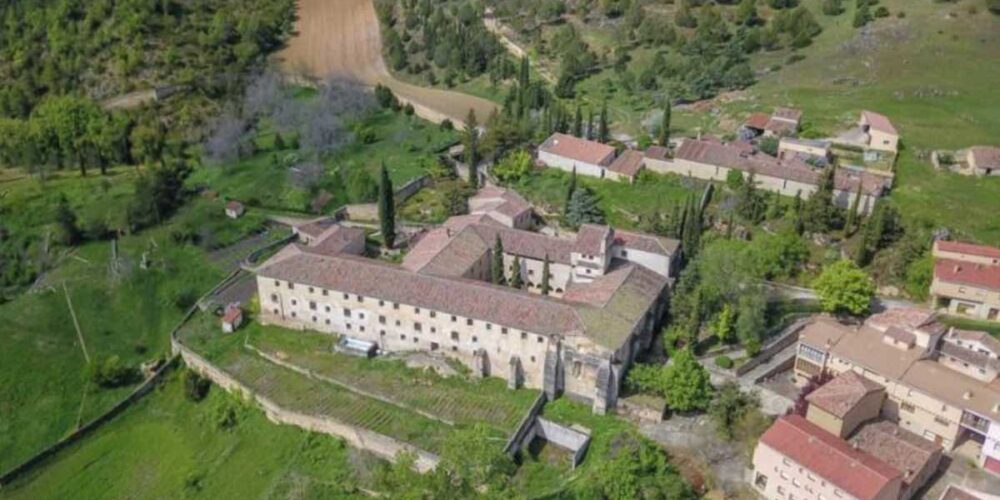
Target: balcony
<point>975,423</point>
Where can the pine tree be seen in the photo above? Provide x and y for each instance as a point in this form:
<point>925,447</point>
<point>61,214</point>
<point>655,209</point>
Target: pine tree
<point>820,215</point>
<point>472,148</point>
<point>583,209</point>
<point>578,122</point>
<point>665,126</point>
<point>496,269</point>
<point>570,189</point>
<point>603,134</point>
<point>852,215</point>
<point>515,274</point>
<point>545,276</point>
<point>386,209</point>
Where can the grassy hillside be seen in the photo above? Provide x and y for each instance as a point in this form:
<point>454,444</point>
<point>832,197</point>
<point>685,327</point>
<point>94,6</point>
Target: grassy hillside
<point>169,447</point>
<point>934,72</point>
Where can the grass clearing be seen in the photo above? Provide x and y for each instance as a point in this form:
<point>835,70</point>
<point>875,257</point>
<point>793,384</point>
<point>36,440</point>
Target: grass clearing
<point>123,310</point>
<point>166,446</point>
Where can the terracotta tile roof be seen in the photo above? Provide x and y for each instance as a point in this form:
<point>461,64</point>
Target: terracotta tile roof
<point>496,199</point>
<point>902,336</point>
<point>757,120</point>
<point>879,122</point>
<point>467,298</point>
<point>646,242</point>
<point>234,205</point>
<point>526,243</point>
<point>967,248</point>
<point>974,358</point>
<point>316,227</point>
<point>840,395</point>
<point>459,254</point>
<point>656,152</point>
<point>826,455</point>
<point>956,388</point>
<point>986,156</point>
<point>955,271</point>
<point>990,342</point>
<point>628,163</point>
<point>578,149</point>
<point>591,238</point>
<point>907,318</point>
<point>232,314</point>
<point>955,492</point>
<point>794,169</point>
<point>337,239</point>
<point>901,449</point>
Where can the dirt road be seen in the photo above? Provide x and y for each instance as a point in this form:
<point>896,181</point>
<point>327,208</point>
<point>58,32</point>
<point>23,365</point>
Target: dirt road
<point>341,38</point>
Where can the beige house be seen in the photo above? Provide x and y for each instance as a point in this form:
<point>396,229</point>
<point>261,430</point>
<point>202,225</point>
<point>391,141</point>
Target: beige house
<point>796,458</point>
<point>782,122</point>
<point>844,403</point>
<point>569,153</point>
<point>503,205</point>
<point>966,279</point>
<point>882,135</point>
<point>983,160</point>
<point>805,149</point>
<point>603,310</point>
<point>710,159</point>
<point>940,383</point>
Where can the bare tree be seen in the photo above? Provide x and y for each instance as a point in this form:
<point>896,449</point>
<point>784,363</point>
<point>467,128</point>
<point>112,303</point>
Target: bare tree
<point>264,95</point>
<point>306,175</point>
<point>230,139</point>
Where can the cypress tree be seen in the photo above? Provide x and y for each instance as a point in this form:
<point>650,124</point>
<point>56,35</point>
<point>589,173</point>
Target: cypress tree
<point>472,148</point>
<point>515,274</point>
<point>603,134</point>
<point>852,215</point>
<point>279,142</point>
<point>570,188</point>
<point>386,209</point>
<point>66,220</point>
<point>545,276</point>
<point>590,124</point>
<point>665,126</point>
<point>496,269</point>
<point>578,122</point>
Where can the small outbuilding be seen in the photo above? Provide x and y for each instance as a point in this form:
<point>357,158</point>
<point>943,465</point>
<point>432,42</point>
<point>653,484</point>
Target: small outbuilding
<point>234,209</point>
<point>232,318</point>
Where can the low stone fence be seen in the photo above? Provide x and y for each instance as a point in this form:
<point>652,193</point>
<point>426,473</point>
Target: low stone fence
<point>381,445</point>
<point>789,337</point>
<point>641,409</point>
<point>517,439</point>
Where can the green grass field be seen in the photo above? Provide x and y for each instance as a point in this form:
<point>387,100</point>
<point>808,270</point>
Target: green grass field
<point>166,446</point>
<point>122,309</point>
<point>404,144</point>
<point>622,202</point>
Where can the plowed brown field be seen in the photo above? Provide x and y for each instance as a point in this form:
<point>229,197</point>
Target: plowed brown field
<point>341,38</point>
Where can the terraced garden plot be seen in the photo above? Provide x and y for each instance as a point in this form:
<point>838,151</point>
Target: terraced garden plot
<point>455,399</point>
<point>298,393</point>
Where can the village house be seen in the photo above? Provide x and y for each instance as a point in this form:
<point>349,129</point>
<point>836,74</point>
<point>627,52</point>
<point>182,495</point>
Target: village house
<point>983,160</point>
<point>940,382</point>
<point>234,209</point>
<point>882,135</point>
<point>809,150</point>
<point>813,457</point>
<point>590,158</point>
<point>711,159</point>
<point>502,205</point>
<point>608,293</point>
<point>966,279</point>
<point>232,318</point>
<point>782,122</point>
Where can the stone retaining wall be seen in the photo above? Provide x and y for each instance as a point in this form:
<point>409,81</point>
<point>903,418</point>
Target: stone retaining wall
<point>381,445</point>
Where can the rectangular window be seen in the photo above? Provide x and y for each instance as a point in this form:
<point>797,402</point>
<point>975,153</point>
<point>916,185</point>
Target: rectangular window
<point>381,303</point>
<point>524,335</point>
<point>346,296</point>
<point>416,310</point>
<point>291,286</point>
<point>347,313</point>
<point>327,308</point>
<point>312,305</point>
<point>489,326</point>
<point>454,336</point>
<point>468,322</point>
<point>474,339</point>
<point>433,314</point>
<point>540,339</point>
<point>274,297</point>
<point>381,320</point>
<point>454,319</point>
<point>312,290</point>
<point>326,293</point>
<point>361,299</point>
<point>277,283</point>
<point>503,330</point>
<point>941,421</point>
<point>907,407</point>
<point>418,327</point>
<point>395,305</point>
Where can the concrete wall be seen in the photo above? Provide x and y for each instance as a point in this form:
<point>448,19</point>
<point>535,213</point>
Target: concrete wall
<point>883,141</point>
<point>662,264</point>
<point>384,446</point>
<point>567,164</point>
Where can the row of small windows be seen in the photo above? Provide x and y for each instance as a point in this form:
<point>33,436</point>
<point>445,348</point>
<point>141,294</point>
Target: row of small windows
<point>417,326</point>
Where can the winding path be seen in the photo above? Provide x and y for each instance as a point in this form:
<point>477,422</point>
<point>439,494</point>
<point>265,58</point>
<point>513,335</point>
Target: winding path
<point>341,38</point>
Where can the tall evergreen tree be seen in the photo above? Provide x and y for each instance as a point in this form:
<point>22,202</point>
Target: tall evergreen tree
<point>515,274</point>
<point>66,219</point>
<point>570,189</point>
<point>665,125</point>
<point>820,215</point>
<point>546,285</point>
<point>578,122</point>
<point>496,269</point>
<point>603,133</point>
<point>852,215</point>
<point>590,124</point>
<point>386,209</point>
<point>472,148</point>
